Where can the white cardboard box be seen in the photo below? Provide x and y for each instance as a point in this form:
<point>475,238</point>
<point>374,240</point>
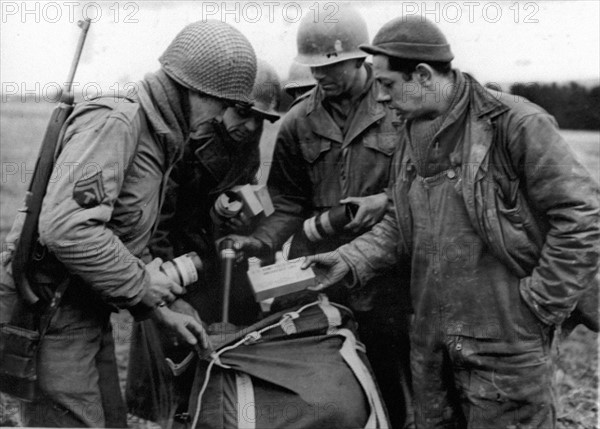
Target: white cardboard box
<point>256,199</point>
<point>280,279</point>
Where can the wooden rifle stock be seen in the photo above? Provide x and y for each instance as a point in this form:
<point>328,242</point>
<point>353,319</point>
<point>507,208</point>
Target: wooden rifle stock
<point>39,181</point>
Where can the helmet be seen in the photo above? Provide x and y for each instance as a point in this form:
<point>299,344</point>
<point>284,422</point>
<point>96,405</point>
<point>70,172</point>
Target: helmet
<point>266,91</point>
<point>412,38</point>
<point>299,78</point>
<point>323,43</point>
<point>213,58</point>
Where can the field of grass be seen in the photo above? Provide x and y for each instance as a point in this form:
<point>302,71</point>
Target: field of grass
<point>21,130</point>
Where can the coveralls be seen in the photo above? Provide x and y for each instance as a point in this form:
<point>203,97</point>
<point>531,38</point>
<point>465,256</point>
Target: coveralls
<point>472,198</point>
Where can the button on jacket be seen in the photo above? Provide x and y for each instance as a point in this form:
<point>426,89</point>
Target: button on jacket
<point>315,165</point>
<point>533,205</point>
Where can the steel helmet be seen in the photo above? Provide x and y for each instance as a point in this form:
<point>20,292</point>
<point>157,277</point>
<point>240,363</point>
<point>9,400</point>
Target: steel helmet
<point>299,78</point>
<point>331,40</point>
<point>266,92</point>
<point>412,38</point>
<point>213,58</point>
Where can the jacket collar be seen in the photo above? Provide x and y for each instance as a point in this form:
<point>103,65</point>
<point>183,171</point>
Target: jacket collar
<point>485,105</point>
<point>368,112</point>
<point>226,161</point>
<point>484,102</point>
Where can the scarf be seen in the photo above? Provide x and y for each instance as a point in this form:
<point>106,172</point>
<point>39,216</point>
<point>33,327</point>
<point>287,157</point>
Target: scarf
<point>167,109</point>
<point>429,157</point>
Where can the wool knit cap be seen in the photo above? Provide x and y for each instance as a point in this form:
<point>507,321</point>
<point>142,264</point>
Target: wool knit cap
<point>213,58</point>
<point>411,38</point>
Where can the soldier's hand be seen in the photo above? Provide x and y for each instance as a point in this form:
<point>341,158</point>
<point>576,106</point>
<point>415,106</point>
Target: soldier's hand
<point>183,307</point>
<point>237,224</point>
<point>162,288</point>
<point>185,326</point>
<point>329,269</point>
<point>245,245</point>
<point>370,211</point>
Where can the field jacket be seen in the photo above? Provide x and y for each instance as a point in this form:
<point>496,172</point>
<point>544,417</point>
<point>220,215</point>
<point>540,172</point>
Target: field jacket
<point>315,165</point>
<point>103,199</point>
<point>531,202</point>
<point>211,164</point>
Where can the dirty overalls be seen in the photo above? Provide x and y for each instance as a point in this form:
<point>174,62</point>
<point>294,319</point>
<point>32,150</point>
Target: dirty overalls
<point>479,357</point>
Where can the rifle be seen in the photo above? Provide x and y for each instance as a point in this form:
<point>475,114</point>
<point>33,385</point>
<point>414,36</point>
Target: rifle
<point>41,175</point>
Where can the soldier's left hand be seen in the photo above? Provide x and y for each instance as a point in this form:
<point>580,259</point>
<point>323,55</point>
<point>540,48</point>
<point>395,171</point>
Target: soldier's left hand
<point>185,326</point>
<point>239,224</point>
<point>370,211</point>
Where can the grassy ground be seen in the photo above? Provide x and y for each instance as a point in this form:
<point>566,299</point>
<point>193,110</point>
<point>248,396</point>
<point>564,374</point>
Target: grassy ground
<point>22,127</point>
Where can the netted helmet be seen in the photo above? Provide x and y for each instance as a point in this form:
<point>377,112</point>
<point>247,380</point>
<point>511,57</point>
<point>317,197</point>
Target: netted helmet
<point>411,38</point>
<point>299,78</point>
<point>331,39</point>
<point>266,92</point>
<point>213,58</point>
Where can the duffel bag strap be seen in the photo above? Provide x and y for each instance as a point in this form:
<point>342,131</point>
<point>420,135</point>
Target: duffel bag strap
<point>334,317</point>
<point>246,405</point>
<point>377,417</point>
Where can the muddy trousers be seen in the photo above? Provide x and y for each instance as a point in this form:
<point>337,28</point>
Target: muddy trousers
<point>463,382</point>
<point>77,374</point>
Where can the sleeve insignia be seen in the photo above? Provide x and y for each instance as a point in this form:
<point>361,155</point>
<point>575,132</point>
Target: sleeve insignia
<point>89,191</point>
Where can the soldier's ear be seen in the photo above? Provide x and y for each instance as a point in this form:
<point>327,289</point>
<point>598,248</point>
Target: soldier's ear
<point>424,73</point>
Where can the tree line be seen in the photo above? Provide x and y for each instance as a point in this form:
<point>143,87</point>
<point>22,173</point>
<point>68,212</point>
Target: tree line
<point>574,106</point>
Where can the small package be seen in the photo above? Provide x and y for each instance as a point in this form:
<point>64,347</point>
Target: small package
<point>256,199</point>
<point>280,279</point>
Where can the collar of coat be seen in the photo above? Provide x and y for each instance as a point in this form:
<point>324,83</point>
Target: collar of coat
<point>368,112</point>
<point>228,162</point>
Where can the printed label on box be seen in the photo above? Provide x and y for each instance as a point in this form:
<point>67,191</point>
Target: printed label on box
<point>280,279</point>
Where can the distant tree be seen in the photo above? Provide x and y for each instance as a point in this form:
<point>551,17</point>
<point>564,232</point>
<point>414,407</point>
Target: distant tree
<point>573,105</point>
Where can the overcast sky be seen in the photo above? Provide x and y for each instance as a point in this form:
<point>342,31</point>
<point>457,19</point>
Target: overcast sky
<point>496,41</point>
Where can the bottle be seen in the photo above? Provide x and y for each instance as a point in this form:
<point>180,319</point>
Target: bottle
<point>329,223</point>
<point>320,227</point>
<point>184,269</point>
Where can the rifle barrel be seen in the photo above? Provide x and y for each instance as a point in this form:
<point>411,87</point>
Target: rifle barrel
<point>85,26</point>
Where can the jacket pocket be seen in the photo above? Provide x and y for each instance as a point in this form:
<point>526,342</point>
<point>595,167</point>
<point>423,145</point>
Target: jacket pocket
<point>518,228</point>
<point>386,143</point>
<point>312,148</point>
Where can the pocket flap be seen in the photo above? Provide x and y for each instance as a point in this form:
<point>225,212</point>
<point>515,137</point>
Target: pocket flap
<point>313,147</point>
<point>382,142</point>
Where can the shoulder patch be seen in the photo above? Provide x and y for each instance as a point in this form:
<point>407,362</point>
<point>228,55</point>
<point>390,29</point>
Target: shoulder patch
<point>88,192</point>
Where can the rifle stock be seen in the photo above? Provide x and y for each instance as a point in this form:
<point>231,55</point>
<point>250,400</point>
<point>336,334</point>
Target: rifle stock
<point>39,181</point>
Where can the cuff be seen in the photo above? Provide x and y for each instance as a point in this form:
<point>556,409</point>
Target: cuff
<point>539,305</point>
<point>142,310</point>
<point>352,279</point>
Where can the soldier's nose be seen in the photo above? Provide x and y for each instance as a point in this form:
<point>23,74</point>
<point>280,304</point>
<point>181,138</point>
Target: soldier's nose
<point>382,97</point>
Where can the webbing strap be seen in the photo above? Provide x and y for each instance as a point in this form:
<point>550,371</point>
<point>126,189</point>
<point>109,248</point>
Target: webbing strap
<point>246,407</point>
<point>377,417</point>
<point>334,317</point>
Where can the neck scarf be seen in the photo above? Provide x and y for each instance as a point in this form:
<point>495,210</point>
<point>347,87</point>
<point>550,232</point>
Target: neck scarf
<point>166,105</point>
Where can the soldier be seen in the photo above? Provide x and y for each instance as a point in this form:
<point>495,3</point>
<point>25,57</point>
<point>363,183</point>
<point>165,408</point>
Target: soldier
<point>334,146</point>
<point>96,221</point>
<point>216,158</point>
<point>501,223</point>
<point>299,81</point>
